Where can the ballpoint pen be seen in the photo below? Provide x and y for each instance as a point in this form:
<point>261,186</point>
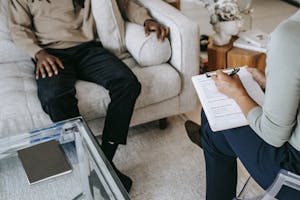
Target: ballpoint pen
<point>234,71</point>
<point>230,73</point>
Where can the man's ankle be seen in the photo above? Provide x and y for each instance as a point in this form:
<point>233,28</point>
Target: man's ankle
<point>109,149</point>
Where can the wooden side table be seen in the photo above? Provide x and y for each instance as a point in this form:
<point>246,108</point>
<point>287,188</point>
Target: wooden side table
<point>227,56</point>
<point>217,55</point>
<point>237,57</point>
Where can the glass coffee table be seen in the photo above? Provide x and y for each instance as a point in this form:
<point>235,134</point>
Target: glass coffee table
<point>92,176</point>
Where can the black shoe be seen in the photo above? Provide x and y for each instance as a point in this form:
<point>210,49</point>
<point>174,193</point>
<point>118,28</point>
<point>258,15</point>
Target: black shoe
<point>194,132</point>
<point>126,180</point>
<point>109,149</point>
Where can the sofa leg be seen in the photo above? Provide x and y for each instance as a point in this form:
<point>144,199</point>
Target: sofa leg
<point>163,123</point>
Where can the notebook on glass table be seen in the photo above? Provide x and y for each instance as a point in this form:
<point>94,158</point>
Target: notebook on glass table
<point>44,161</point>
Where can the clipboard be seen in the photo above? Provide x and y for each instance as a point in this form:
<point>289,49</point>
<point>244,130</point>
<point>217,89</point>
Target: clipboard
<point>221,111</point>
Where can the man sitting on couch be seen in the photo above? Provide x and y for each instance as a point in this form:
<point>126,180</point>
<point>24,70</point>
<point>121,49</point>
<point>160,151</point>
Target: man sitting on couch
<point>60,37</point>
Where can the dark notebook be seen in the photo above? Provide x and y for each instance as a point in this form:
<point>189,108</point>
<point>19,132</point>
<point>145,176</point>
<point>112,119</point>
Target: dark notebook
<point>44,161</point>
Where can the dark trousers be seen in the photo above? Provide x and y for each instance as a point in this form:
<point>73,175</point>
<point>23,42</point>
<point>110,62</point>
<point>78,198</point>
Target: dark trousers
<point>91,62</point>
<point>262,161</point>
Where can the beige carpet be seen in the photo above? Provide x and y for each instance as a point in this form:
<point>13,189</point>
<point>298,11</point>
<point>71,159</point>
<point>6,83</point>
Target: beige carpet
<point>166,165</point>
<point>163,164</point>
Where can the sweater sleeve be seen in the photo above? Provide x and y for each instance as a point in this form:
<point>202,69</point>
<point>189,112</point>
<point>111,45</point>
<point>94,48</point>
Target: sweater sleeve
<point>275,122</point>
<point>21,28</point>
<point>136,13</point>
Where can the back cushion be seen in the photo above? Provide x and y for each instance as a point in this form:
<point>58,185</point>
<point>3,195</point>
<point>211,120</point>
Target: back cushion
<point>8,50</point>
<point>110,25</point>
<point>3,20</point>
<point>296,16</point>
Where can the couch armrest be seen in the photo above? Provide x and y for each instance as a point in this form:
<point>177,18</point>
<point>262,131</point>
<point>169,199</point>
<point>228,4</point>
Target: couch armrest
<point>184,38</point>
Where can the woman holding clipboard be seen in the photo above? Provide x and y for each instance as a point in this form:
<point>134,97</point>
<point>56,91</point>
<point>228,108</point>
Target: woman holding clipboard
<point>271,142</point>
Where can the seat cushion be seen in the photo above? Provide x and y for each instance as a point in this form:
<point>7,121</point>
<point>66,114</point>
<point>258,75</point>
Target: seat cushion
<point>159,83</point>
<point>20,109</point>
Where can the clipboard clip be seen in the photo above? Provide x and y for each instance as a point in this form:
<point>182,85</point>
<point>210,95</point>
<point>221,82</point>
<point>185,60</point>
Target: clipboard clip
<point>230,72</point>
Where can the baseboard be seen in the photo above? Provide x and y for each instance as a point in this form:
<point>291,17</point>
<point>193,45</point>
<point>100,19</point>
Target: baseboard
<point>293,2</point>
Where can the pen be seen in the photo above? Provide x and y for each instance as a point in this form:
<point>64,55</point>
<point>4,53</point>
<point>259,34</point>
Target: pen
<point>227,71</point>
<point>234,71</point>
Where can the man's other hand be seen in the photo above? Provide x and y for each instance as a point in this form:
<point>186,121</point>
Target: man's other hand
<point>161,31</point>
<point>47,64</point>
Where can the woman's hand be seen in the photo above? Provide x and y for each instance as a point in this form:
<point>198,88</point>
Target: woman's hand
<point>258,76</point>
<point>231,86</point>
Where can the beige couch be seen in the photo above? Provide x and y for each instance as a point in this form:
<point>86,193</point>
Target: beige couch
<point>166,87</point>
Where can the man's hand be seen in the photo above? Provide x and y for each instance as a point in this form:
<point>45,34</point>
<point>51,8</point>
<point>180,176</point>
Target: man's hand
<point>161,31</point>
<point>47,64</point>
<point>258,76</point>
<point>230,86</point>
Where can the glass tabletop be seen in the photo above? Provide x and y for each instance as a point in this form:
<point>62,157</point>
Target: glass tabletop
<point>92,176</point>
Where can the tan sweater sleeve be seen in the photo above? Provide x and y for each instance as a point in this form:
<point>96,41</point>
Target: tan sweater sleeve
<point>136,13</point>
<point>21,29</point>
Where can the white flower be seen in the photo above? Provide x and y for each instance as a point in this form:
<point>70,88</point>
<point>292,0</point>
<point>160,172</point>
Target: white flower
<point>227,10</point>
<point>221,10</point>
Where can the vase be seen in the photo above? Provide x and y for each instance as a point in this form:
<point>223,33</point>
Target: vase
<point>225,30</point>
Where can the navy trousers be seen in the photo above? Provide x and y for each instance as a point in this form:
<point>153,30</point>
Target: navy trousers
<point>91,62</point>
<point>262,161</point>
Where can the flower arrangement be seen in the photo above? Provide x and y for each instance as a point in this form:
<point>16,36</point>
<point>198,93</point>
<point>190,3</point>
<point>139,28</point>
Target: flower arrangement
<point>222,10</point>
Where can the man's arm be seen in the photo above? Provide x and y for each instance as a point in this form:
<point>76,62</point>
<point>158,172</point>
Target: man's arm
<point>21,30</point>
<point>20,24</point>
<point>138,14</point>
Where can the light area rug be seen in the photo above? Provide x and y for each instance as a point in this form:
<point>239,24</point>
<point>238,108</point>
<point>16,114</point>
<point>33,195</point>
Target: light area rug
<point>164,164</point>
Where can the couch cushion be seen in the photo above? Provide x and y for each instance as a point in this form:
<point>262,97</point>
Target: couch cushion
<point>20,109</point>
<point>4,33</point>
<point>8,51</point>
<point>295,16</point>
<point>146,50</point>
<point>159,83</point>
<point>107,14</point>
